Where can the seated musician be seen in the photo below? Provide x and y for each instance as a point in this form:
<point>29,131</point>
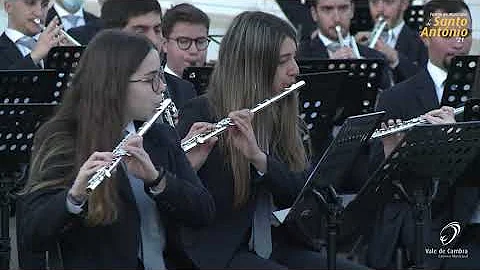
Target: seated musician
<point>411,98</point>
<point>402,47</point>
<point>261,161</point>
<point>133,218</point>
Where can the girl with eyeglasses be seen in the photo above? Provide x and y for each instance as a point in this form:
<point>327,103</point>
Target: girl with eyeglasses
<point>132,218</point>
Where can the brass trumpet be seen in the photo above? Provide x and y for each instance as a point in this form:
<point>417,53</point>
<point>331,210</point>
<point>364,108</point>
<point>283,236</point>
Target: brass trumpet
<point>383,132</point>
<point>65,34</point>
<point>223,124</point>
<point>119,153</point>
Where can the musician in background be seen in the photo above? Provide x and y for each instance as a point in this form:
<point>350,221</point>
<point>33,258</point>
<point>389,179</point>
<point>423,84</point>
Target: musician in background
<point>261,161</point>
<point>325,44</point>
<point>402,47</point>
<point>145,17</point>
<point>185,29</point>
<point>23,45</point>
<point>411,98</point>
<point>132,218</point>
<point>71,14</point>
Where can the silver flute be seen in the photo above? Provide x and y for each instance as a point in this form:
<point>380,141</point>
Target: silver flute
<point>65,34</point>
<point>119,152</point>
<point>377,31</point>
<point>383,132</point>
<point>353,44</point>
<point>223,124</point>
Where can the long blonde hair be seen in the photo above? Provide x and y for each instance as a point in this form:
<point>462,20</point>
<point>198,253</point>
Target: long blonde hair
<point>243,76</point>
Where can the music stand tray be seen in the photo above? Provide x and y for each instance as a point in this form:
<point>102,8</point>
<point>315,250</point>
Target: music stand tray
<point>427,155</point>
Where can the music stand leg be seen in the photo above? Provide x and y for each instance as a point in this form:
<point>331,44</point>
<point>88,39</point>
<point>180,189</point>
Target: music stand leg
<point>420,206</point>
<point>334,211</point>
<point>5,187</point>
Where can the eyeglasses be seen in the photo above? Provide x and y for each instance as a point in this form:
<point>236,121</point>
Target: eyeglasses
<point>157,80</point>
<point>184,43</point>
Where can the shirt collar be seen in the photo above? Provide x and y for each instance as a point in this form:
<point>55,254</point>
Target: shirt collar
<point>438,75</point>
<point>62,12</point>
<point>326,41</point>
<point>170,71</point>
<point>397,29</point>
<point>15,35</point>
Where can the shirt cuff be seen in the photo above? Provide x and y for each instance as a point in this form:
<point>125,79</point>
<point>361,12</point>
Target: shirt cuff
<point>74,208</point>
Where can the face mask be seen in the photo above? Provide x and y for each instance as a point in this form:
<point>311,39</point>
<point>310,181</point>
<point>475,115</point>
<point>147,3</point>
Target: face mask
<point>73,6</point>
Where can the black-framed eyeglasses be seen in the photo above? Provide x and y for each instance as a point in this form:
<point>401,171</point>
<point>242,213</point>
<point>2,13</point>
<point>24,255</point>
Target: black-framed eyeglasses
<point>157,80</point>
<point>184,43</point>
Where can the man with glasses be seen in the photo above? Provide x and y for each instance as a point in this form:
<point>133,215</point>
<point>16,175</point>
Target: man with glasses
<point>185,29</point>
<point>401,46</point>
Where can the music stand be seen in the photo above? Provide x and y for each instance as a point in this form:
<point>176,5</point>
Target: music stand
<point>18,123</point>
<point>328,172</point>
<point>31,86</point>
<point>462,81</point>
<point>337,98</point>
<point>64,58</point>
<point>414,17</point>
<point>199,76</point>
<point>427,155</point>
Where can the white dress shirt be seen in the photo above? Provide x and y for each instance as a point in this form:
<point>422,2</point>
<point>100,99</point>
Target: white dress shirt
<point>14,36</point>
<point>170,71</point>
<point>438,76</point>
<point>394,33</point>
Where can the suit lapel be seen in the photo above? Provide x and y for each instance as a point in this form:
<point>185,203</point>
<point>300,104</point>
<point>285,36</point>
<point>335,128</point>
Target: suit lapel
<point>12,52</point>
<point>426,91</point>
<point>319,48</point>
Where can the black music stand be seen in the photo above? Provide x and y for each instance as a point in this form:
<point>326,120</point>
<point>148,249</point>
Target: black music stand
<point>64,58</point>
<point>427,155</point>
<point>18,123</point>
<point>31,86</point>
<point>335,99</point>
<point>328,173</point>
<point>199,76</point>
<point>414,17</point>
<point>462,80</point>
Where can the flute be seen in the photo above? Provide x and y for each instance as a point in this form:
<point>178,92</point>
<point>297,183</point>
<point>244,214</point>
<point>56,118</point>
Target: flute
<point>223,124</point>
<point>119,152</point>
<point>380,133</point>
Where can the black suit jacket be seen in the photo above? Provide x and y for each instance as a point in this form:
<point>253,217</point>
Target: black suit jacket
<point>89,17</point>
<point>314,48</point>
<point>180,90</point>
<point>84,34</point>
<point>412,54</point>
<point>395,224</point>
<point>212,247</point>
<point>11,58</point>
<point>185,201</point>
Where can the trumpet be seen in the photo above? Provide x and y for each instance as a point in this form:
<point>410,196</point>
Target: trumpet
<point>65,34</point>
<point>383,132</point>
<point>119,152</point>
<point>377,31</point>
<point>353,44</point>
<point>223,124</point>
